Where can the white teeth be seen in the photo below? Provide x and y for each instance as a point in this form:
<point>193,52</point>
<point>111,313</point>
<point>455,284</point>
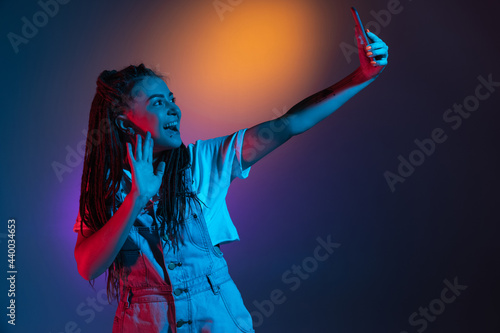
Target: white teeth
<point>174,124</point>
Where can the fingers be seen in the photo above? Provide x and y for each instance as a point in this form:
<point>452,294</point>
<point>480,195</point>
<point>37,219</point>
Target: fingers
<point>381,62</point>
<point>150,158</point>
<point>147,148</point>
<point>376,45</point>
<point>374,48</point>
<point>378,52</point>
<point>130,155</point>
<point>374,53</point>
<point>160,169</point>
<point>142,150</point>
<point>374,37</point>
<point>138,147</point>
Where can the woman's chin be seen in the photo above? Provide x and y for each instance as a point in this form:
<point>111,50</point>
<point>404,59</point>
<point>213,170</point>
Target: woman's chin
<point>170,142</point>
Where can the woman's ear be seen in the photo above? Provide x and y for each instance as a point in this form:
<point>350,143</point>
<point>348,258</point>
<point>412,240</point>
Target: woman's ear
<point>124,124</point>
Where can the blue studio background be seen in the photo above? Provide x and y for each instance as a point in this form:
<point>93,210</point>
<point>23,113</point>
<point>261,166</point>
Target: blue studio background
<point>419,256</point>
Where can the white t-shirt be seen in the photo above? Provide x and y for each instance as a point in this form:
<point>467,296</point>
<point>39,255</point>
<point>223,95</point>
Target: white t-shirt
<point>215,164</point>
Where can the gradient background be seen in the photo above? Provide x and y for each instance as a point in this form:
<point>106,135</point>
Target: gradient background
<point>248,66</point>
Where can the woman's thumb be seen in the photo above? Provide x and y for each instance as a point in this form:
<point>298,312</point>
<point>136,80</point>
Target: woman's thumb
<point>160,169</point>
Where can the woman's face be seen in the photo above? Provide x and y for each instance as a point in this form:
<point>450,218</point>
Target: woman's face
<point>153,109</point>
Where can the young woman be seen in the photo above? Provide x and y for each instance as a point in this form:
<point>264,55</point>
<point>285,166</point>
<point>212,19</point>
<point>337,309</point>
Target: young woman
<point>152,210</point>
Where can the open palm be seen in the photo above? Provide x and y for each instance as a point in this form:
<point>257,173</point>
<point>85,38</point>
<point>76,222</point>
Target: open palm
<point>144,180</point>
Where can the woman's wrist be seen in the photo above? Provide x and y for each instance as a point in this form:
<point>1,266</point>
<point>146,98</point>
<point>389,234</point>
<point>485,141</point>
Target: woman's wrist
<point>359,76</point>
<point>137,198</point>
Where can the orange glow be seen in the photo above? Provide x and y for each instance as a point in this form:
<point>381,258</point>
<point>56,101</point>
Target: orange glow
<point>259,57</point>
<point>256,48</point>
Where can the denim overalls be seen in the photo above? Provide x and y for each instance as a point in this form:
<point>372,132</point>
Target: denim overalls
<point>189,291</point>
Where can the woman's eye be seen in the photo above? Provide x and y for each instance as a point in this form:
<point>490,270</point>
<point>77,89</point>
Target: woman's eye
<point>161,102</point>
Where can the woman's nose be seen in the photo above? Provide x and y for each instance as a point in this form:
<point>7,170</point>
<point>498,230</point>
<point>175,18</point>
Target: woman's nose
<point>174,111</point>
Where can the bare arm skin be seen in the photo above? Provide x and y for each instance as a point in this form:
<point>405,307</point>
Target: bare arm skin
<point>263,138</point>
<point>96,253</point>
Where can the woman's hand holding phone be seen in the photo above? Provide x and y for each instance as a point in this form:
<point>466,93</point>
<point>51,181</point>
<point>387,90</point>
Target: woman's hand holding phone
<point>372,50</point>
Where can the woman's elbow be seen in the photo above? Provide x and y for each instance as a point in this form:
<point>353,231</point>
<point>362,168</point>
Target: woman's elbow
<point>82,269</point>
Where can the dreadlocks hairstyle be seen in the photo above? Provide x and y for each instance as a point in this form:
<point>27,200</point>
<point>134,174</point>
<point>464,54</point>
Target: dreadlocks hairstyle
<point>105,160</point>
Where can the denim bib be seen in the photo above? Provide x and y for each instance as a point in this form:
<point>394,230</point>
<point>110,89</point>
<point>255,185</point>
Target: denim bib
<point>186,291</point>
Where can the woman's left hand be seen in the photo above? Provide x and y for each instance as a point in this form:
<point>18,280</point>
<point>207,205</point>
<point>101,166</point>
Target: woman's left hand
<point>372,57</point>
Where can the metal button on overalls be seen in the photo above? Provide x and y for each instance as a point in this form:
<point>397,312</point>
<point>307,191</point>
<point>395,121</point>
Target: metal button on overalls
<point>172,265</point>
<point>186,291</point>
<point>178,291</point>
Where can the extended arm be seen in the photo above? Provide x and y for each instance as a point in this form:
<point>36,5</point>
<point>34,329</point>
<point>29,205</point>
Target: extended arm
<point>310,111</point>
<point>263,138</point>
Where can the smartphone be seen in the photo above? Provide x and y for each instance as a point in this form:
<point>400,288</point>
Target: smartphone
<point>358,22</point>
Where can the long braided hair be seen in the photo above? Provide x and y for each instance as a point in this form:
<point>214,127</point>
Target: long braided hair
<point>105,158</point>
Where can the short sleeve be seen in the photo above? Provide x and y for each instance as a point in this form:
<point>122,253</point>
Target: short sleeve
<point>216,163</point>
<point>237,158</point>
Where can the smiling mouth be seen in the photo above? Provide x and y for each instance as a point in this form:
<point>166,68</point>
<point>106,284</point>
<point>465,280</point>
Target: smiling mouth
<point>171,126</point>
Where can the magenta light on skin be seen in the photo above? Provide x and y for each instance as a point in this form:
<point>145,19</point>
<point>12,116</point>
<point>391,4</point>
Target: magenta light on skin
<point>234,69</point>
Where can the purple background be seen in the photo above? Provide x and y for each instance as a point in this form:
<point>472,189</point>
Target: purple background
<point>396,248</point>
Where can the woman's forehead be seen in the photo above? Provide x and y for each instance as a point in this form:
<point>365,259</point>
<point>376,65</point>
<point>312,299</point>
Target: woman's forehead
<point>148,86</point>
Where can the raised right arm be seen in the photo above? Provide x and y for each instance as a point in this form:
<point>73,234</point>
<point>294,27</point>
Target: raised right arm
<point>95,253</point>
